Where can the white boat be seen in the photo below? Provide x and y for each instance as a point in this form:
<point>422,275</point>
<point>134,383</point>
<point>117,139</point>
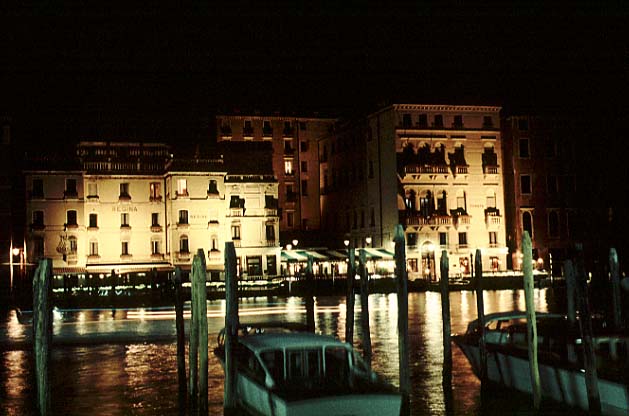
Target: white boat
<point>283,372</point>
<point>560,352</point>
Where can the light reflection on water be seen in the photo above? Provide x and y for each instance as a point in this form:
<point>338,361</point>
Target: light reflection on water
<point>140,378</point>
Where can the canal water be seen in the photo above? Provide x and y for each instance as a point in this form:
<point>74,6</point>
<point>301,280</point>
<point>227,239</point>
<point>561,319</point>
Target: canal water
<point>123,362</point>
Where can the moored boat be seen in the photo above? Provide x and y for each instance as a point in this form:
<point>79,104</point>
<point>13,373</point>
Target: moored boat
<point>282,372</point>
<point>560,356</point>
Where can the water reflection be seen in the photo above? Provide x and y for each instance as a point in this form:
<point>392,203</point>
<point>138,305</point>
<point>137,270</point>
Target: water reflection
<point>139,376</point>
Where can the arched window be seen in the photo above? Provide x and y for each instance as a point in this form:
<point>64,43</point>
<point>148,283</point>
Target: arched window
<point>527,222</point>
<point>183,244</point>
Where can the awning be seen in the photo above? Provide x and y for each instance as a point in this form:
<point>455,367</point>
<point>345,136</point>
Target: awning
<point>337,255</point>
<point>292,255</point>
<point>315,255</point>
<point>378,253</point>
<point>68,270</point>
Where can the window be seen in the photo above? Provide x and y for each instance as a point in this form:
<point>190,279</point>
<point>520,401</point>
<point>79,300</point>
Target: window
<point>290,219</point>
<point>372,215</point>
<point>183,216</point>
<point>491,200</point>
<point>73,244</point>
<point>523,124</point>
<point>525,184</point>
<point>70,188</point>
<point>406,120</point>
<point>212,187</point>
<point>155,247</point>
<point>458,121</point>
<point>183,245</point>
<point>155,219</point>
<point>423,120</point>
<point>38,246</point>
<point>182,187</point>
<point>551,148</point>
<point>93,220</point>
<point>493,239</point>
<point>38,218</point>
<point>271,265</point>
<point>304,166</point>
<point>443,239</point>
<point>124,248</point>
<point>254,265</point>
<point>38,188</point>
<point>412,265</point>
<point>214,242</point>
<point>527,223</point>
<point>270,232</point>
<point>460,200</point>
<point>551,184</point>
<point>288,167</point>
<point>93,248</point>
<point>302,125</point>
<point>248,129</point>
<point>438,120</point>
<point>304,187</point>
<point>288,146</point>
<point>371,169</point>
<point>487,122</point>
<point>92,189</point>
<point>124,219</point>
<point>553,224</point>
<point>463,239</point>
<point>524,148</point>
<point>124,190</point>
<point>267,130</point>
<point>411,239</point>
<point>71,217</point>
<point>303,146</point>
<point>235,232</point>
<point>154,190</point>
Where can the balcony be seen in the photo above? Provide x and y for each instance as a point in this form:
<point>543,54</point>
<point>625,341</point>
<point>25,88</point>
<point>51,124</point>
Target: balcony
<point>269,243</point>
<point>92,198</point>
<point>270,212</point>
<point>124,197</point>
<point>267,134</point>
<point>126,257</point>
<point>155,198</point>
<point>247,133</point>
<point>71,258</point>
<point>157,256</point>
<point>72,226</point>
<point>92,228</point>
<point>183,255</point>
<point>460,170</point>
<point>93,257</point>
<point>490,169</point>
<point>493,217</point>
<point>182,194</point>
<point>439,169</point>
<point>38,226</point>
<point>215,255</point>
<point>420,220</point>
<point>461,220</point>
<point>183,225</point>
<point>237,242</point>
<point>37,195</point>
<point>155,228</point>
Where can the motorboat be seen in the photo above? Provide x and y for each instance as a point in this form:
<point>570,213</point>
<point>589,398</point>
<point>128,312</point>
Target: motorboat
<point>560,358</point>
<point>284,371</point>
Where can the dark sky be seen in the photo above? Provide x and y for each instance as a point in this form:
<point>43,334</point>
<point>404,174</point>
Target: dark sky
<point>69,71</point>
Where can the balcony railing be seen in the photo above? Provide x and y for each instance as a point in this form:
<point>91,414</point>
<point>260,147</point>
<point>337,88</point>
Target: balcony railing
<point>461,170</point>
<point>183,255</point>
<point>156,228</point>
<point>215,255</point>
<point>418,219</point>
<point>269,243</point>
<point>157,256</point>
<point>490,170</point>
<point>237,242</point>
<point>426,169</point>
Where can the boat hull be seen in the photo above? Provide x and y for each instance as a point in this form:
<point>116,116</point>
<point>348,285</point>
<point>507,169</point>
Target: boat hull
<point>257,399</point>
<point>557,383</point>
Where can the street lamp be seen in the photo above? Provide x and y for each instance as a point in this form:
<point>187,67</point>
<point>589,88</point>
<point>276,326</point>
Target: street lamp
<point>346,242</point>
<point>295,242</point>
<point>368,240</point>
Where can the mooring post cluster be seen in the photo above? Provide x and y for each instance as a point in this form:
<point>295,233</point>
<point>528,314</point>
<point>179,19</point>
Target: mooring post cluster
<point>42,333</point>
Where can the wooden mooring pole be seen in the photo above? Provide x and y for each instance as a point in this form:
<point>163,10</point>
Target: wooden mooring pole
<point>444,287</point>
<point>364,306</point>
<point>445,315</point>
<point>231,328</point>
<point>349,310</point>
<point>571,293</point>
<point>585,323</point>
<point>42,332</point>
<point>181,341</point>
<point>310,312</point>
<point>198,335</point>
<point>402,320</point>
<point>480,308</point>
<point>615,278</point>
<point>531,320</point>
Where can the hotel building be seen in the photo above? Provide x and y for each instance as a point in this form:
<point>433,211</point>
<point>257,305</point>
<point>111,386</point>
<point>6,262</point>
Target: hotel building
<point>135,208</point>
<point>435,169</point>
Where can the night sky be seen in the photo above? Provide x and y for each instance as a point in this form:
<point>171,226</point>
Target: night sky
<point>161,74</point>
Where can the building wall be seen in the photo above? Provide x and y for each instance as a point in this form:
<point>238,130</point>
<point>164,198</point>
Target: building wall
<point>128,218</point>
<point>294,148</point>
<point>377,145</point>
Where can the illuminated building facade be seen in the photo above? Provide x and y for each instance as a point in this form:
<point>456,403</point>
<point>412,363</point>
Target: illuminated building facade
<point>134,208</point>
<point>295,163</point>
<point>435,169</point>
